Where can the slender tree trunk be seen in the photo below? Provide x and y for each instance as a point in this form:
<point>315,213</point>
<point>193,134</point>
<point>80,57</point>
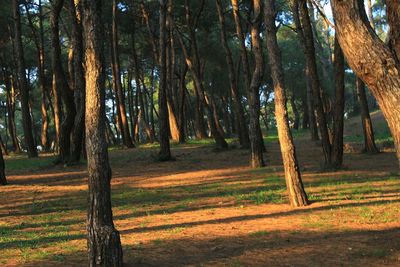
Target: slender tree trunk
<point>104,245</point>
<point>119,94</point>
<point>256,142</point>
<point>315,83</point>
<point>23,84</point>
<point>60,87</point>
<point>368,130</point>
<point>165,152</point>
<point>79,81</point>
<point>12,129</point>
<point>372,60</point>
<point>3,178</point>
<point>237,107</point>
<point>338,113</point>
<point>294,184</point>
<point>296,113</point>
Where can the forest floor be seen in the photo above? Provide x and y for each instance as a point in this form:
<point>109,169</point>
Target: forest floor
<point>208,208</point>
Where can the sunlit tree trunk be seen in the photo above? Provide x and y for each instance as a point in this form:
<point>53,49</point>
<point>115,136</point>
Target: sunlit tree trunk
<point>372,60</point>
<point>104,245</point>
<point>294,184</point>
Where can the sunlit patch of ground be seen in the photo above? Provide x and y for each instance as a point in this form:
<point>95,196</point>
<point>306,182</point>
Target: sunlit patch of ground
<point>208,208</point>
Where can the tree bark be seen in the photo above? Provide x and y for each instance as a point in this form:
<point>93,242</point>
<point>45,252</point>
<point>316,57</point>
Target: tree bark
<point>104,245</point>
<point>368,130</point>
<point>165,152</point>
<point>372,60</point>
<point>23,83</point>
<point>241,124</point>
<point>3,178</point>
<point>294,184</point>
<point>338,112</point>
<point>119,93</point>
<point>256,142</point>
<point>12,129</point>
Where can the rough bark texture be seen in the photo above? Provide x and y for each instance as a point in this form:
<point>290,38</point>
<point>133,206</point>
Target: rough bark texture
<point>368,130</point>
<point>338,112</point>
<point>23,84</point>
<point>241,124</point>
<point>393,17</point>
<point>294,184</point>
<point>165,152</point>
<point>314,79</point>
<point>78,82</point>
<point>372,60</point>
<point>104,245</point>
<point>119,93</point>
<point>256,142</point>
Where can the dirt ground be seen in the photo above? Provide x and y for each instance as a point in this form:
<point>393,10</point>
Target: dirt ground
<point>208,208</point>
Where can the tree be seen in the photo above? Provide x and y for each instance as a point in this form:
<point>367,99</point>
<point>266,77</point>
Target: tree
<point>237,105</point>
<point>3,178</point>
<point>375,62</point>
<point>368,130</point>
<point>256,142</point>
<point>165,152</point>
<point>23,83</point>
<point>104,244</point>
<point>294,184</point>
<point>116,72</point>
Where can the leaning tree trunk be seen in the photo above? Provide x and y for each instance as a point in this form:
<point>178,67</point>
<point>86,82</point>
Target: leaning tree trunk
<point>368,130</point>
<point>338,123</point>
<point>294,184</point>
<point>165,152</point>
<point>104,245</point>
<point>23,84</point>
<point>372,60</point>
<point>256,142</point>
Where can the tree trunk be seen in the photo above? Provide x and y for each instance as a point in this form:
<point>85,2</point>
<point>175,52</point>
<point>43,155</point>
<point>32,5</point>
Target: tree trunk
<point>237,105</point>
<point>256,142</point>
<point>338,112</point>
<point>104,245</point>
<point>296,120</point>
<point>294,184</point>
<point>165,152</point>
<point>119,93</point>
<point>3,178</point>
<point>60,86</point>
<point>12,129</point>
<point>79,81</point>
<point>309,51</point>
<point>368,130</point>
<point>23,84</point>
<point>372,60</point>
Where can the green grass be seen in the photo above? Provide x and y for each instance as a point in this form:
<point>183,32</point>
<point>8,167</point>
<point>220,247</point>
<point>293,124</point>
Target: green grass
<point>22,162</point>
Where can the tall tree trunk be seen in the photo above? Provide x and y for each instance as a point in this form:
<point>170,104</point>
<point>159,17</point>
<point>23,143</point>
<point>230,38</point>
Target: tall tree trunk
<point>338,112</point>
<point>372,60</point>
<point>104,245</point>
<point>165,152</point>
<point>79,81</point>
<point>23,84</point>
<point>60,86</point>
<point>296,120</point>
<point>3,178</point>
<point>237,105</point>
<point>314,79</point>
<point>119,93</point>
<point>256,142</point>
<point>368,130</point>
<point>294,184</point>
